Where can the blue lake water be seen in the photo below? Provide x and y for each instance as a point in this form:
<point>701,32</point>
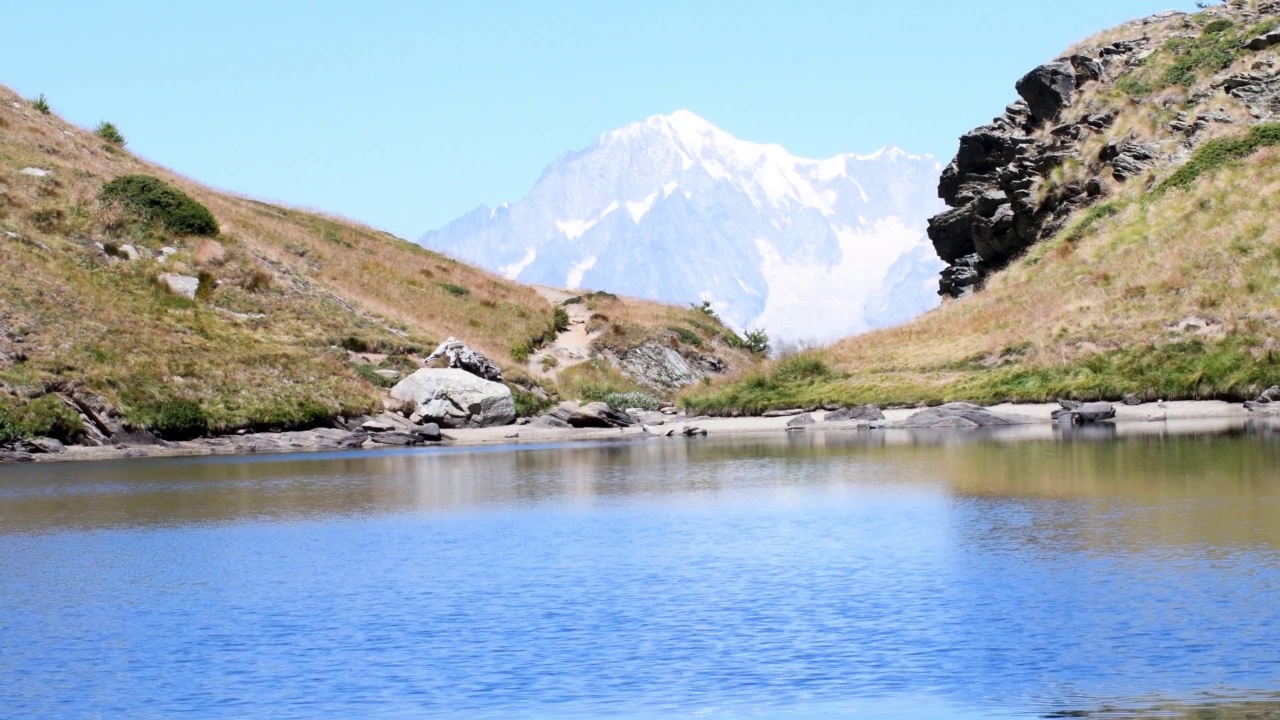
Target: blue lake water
<point>869,576</point>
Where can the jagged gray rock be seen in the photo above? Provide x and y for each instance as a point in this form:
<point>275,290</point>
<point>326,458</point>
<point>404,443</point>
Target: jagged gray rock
<point>454,398</point>
<point>591,415</point>
<point>801,421</point>
<point>1078,413</point>
<point>462,357</point>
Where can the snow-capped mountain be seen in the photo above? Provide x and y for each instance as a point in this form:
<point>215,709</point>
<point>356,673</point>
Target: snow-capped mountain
<point>674,209</point>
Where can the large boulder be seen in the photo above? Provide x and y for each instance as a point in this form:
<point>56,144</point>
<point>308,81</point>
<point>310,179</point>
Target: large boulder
<point>1048,89</point>
<point>962,415</point>
<point>591,415</point>
<point>454,398</point>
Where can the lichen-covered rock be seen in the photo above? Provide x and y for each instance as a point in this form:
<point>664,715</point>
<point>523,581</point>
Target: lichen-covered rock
<point>453,398</point>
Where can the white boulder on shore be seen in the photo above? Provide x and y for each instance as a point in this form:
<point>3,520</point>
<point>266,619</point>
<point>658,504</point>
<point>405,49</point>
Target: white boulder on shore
<point>454,398</point>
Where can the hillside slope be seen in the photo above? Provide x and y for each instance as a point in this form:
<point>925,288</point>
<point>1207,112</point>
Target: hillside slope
<point>1114,235</point>
<point>292,306</point>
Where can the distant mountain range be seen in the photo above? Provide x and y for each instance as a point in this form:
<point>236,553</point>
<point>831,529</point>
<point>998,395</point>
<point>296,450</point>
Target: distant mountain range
<point>675,209</point>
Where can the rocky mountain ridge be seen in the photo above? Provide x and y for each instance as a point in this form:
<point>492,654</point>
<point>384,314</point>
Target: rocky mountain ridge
<point>1059,149</point>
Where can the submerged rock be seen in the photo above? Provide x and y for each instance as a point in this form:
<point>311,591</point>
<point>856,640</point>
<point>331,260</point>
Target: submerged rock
<point>962,415</point>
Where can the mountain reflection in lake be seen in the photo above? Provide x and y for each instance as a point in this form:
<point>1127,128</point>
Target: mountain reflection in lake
<point>1119,573</point>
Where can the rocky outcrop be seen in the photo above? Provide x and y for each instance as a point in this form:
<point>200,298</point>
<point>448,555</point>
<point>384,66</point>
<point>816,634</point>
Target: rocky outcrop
<point>180,285</point>
<point>1078,413</point>
<point>462,357</point>
<point>1006,188</point>
<point>863,413</point>
<point>454,398</point>
<point>663,368</point>
<point>591,415</point>
<point>962,415</point>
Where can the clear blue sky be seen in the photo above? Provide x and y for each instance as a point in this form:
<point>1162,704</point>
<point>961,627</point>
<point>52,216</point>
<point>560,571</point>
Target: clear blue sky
<point>405,114</point>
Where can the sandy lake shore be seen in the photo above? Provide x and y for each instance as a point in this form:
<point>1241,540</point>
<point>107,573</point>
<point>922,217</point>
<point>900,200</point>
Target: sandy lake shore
<point>1149,418</point>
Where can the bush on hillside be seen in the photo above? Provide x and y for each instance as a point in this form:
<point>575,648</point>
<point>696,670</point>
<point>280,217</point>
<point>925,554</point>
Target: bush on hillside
<point>109,132</point>
<point>153,200</point>
<point>40,104</point>
<point>179,420</point>
<point>561,319</point>
<point>46,416</point>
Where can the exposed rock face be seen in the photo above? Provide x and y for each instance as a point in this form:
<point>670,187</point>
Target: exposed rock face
<point>1001,187</point>
<point>462,357</point>
<point>660,367</point>
<point>454,398</point>
<point>961,415</point>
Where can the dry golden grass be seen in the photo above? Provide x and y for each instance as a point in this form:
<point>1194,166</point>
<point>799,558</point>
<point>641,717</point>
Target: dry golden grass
<point>287,289</point>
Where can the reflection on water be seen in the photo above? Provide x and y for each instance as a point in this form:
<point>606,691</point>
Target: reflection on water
<point>1037,571</point>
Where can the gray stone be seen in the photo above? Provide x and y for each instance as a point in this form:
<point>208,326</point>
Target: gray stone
<point>864,412</point>
<point>454,398</point>
<point>388,374</point>
<point>395,438</point>
<point>181,285</point>
<point>36,172</point>
<point>46,445</point>
<point>1131,399</point>
<point>591,415</point>
<point>1077,413</point>
<point>782,413</point>
<point>657,366</point>
<point>961,415</point>
<point>129,252</point>
<point>801,421</point>
<point>15,457</point>
<point>378,426</point>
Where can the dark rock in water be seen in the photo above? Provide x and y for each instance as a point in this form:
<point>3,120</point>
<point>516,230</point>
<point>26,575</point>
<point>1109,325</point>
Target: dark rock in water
<point>429,432</point>
<point>395,438</point>
<point>801,421</point>
<point>692,431</point>
<point>961,415</point>
<point>1077,413</point>
<point>1271,394</point>
<point>1048,89</point>
<point>15,457</point>
<point>866,413</point>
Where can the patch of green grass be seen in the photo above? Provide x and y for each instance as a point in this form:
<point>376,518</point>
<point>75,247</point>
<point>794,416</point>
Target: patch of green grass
<point>1219,152</point>
<point>1092,216</point>
<point>454,290</point>
<point>369,374</point>
<point>560,319</point>
<point>1134,86</point>
<point>150,199</point>
<point>178,419</point>
<point>529,404</point>
<point>521,352</point>
<point>109,132</point>
<point>628,400</point>
<point>687,336</point>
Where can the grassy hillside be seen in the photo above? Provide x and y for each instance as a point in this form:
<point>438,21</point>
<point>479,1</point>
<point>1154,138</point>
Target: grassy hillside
<point>289,302</point>
<point>1168,289</point>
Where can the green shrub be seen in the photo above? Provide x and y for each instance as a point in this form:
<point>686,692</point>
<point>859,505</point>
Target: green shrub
<point>628,400</point>
<point>528,404</point>
<point>1218,26</point>
<point>455,290</point>
<point>807,365</point>
<point>40,104</point>
<point>355,344</point>
<point>560,318</point>
<point>757,341</point>
<point>109,132</point>
<point>208,283</point>
<point>153,200</point>
<point>45,416</point>
<point>179,420</point>
<point>521,351</point>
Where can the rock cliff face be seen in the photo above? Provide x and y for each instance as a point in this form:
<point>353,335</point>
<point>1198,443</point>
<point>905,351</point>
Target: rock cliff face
<point>1126,107</point>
